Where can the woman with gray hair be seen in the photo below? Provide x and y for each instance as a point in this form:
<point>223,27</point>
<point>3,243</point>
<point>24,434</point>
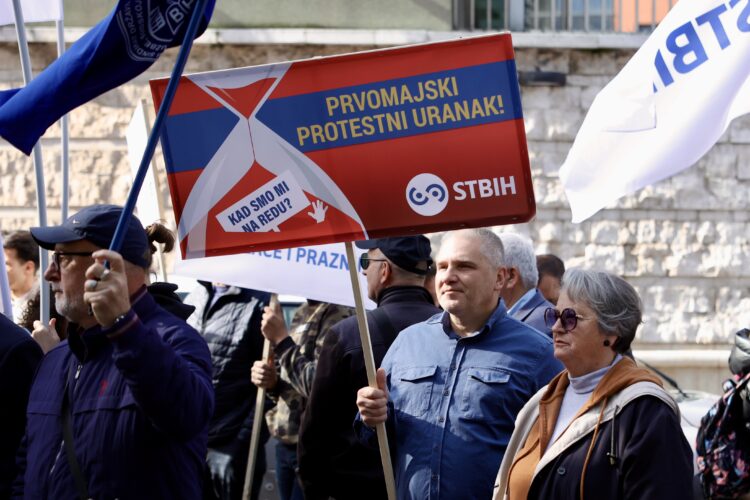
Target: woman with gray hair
<point>602,428</point>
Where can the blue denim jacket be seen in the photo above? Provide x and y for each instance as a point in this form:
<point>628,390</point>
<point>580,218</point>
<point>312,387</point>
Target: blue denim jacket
<point>455,400</point>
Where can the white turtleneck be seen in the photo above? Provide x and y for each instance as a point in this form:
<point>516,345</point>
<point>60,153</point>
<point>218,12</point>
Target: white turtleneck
<point>576,395</point>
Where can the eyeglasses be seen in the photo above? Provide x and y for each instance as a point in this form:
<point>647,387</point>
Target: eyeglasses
<point>568,318</point>
<point>57,254</point>
<point>364,261</point>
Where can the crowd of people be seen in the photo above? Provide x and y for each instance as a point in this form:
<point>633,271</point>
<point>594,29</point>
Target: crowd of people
<point>501,375</point>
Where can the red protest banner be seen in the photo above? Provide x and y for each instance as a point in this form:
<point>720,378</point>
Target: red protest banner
<point>388,142</point>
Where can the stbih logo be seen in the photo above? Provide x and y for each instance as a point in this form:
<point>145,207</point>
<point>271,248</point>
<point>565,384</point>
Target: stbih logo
<point>427,194</point>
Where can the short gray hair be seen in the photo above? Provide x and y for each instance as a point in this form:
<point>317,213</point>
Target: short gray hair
<point>519,253</point>
<point>490,244</point>
<point>615,302</point>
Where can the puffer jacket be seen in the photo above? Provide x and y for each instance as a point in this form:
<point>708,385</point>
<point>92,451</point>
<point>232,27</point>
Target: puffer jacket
<point>231,327</point>
<point>140,399</point>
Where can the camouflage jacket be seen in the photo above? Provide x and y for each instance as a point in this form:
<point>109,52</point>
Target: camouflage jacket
<point>296,358</point>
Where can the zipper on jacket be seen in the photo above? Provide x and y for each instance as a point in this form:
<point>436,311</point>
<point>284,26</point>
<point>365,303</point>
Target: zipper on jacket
<point>75,378</point>
<point>62,441</point>
<point>611,454</point>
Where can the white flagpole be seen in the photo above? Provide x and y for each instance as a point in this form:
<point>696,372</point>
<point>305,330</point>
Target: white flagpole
<point>6,306</point>
<point>41,198</point>
<point>64,139</point>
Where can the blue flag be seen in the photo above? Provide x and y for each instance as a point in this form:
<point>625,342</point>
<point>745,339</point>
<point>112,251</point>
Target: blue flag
<point>119,48</point>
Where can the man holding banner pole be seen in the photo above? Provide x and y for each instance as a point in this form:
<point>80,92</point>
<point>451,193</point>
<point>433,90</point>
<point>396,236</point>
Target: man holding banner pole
<point>331,461</point>
<point>121,408</point>
<point>451,386</point>
<point>290,378</point>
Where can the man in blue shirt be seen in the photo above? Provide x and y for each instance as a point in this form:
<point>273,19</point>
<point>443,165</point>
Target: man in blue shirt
<point>451,386</point>
<point>521,297</point>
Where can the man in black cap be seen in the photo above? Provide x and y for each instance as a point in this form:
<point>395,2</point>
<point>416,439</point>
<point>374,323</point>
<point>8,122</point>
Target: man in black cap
<point>128,394</point>
<point>332,462</point>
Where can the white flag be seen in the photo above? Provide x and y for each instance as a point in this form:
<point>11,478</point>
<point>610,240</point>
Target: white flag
<point>5,300</point>
<point>34,11</point>
<point>666,108</point>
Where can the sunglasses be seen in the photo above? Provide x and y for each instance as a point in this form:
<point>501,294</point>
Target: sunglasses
<point>568,318</point>
<point>364,261</point>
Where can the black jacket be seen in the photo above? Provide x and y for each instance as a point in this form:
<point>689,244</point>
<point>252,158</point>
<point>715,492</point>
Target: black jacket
<point>231,327</point>
<point>332,462</point>
<point>164,295</point>
<point>19,357</point>
<point>652,459</point>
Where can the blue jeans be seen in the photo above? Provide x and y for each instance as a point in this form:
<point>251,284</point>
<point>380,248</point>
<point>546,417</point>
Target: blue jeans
<point>286,472</point>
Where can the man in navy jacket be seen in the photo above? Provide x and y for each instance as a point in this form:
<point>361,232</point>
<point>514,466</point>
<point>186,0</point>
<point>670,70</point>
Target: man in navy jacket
<point>133,380</point>
<point>19,357</point>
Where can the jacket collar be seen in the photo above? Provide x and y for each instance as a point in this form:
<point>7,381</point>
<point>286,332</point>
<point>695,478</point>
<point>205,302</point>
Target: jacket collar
<point>231,289</point>
<point>535,300</point>
<point>404,294</point>
<point>85,344</point>
<point>497,315</point>
<point>622,375</point>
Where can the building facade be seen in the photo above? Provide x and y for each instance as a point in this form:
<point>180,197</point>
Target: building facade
<point>684,242</point>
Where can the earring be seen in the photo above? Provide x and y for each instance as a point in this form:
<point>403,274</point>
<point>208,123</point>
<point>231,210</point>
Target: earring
<point>606,343</point>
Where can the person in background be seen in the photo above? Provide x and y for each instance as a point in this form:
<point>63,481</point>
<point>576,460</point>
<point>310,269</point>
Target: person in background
<point>288,380</point>
<point>165,293</point>
<point>451,386</point>
<point>551,270</point>
<point>602,428</point>
<point>429,284</point>
<point>523,300</point>
<point>130,389</point>
<point>19,357</point>
<point>229,319</point>
<point>332,462</point>
<point>22,264</point>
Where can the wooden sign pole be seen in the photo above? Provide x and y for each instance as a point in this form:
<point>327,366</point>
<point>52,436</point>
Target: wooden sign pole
<point>260,399</point>
<point>364,335</point>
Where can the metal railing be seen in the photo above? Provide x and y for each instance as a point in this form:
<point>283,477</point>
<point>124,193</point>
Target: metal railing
<point>613,16</point>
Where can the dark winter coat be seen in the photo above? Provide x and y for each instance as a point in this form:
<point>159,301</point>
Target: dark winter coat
<point>165,295</point>
<point>332,461</point>
<point>140,398</point>
<point>19,357</point>
<point>639,449</point>
<point>231,327</point>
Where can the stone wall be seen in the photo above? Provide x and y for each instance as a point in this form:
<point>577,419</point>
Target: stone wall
<point>683,242</point>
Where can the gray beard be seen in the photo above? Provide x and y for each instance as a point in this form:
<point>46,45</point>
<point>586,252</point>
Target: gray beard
<point>75,310</point>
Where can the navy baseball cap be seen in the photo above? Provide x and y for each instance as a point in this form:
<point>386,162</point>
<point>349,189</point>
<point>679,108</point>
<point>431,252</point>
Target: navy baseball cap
<point>97,224</point>
<point>405,251</point>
